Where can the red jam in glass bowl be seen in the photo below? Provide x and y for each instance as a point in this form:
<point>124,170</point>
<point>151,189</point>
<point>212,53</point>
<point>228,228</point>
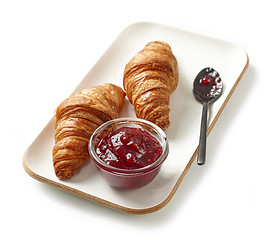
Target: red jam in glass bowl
<point>128,152</point>
<point>129,148</point>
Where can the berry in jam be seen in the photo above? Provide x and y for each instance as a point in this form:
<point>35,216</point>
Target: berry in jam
<point>129,148</point>
<point>207,85</point>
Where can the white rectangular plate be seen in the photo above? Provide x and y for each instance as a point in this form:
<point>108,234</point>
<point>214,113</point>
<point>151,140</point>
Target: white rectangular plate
<point>193,52</point>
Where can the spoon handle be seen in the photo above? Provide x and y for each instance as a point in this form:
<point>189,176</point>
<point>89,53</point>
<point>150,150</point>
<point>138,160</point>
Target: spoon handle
<point>202,141</point>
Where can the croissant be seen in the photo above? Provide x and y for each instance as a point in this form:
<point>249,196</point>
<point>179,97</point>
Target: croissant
<point>76,118</point>
<point>149,79</point>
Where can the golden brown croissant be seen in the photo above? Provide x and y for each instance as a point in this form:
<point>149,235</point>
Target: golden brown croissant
<point>149,79</point>
<point>76,118</point>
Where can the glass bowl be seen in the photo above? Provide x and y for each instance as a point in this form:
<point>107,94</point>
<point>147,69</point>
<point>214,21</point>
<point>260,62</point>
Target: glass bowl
<point>128,178</point>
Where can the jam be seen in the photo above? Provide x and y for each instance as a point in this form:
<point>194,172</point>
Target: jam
<point>207,85</point>
<point>129,148</point>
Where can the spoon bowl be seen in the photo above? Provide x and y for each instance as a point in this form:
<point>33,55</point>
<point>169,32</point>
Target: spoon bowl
<point>207,88</point>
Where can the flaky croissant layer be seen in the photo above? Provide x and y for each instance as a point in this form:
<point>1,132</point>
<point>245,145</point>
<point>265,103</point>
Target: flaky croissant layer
<point>149,79</point>
<point>76,118</point>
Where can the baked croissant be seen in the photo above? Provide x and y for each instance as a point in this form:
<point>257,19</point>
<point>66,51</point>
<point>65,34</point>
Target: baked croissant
<point>149,79</point>
<point>76,118</point>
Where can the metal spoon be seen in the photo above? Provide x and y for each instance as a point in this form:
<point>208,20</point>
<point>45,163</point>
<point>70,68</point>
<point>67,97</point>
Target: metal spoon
<point>207,87</point>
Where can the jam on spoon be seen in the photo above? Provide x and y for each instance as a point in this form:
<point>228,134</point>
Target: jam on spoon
<point>207,87</point>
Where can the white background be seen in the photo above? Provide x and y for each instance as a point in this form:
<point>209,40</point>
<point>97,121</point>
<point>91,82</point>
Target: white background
<point>47,47</point>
